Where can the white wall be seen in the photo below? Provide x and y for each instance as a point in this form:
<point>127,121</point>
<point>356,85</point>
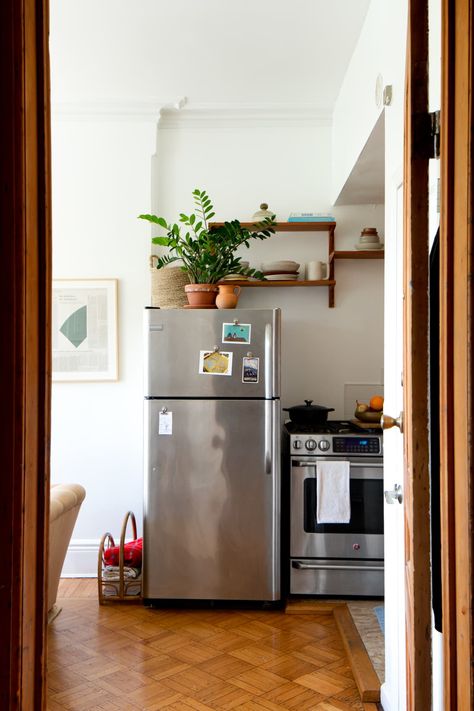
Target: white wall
<point>355,111</point>
<point>101,182</point>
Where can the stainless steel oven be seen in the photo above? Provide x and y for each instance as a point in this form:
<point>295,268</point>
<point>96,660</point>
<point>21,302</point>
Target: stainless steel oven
<point>337,559</point>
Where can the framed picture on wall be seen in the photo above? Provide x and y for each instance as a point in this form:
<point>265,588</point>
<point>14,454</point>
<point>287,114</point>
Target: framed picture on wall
<point>84,322</point>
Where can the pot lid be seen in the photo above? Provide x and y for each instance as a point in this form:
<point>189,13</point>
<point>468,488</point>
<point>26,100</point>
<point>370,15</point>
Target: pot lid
<point>309,407</point>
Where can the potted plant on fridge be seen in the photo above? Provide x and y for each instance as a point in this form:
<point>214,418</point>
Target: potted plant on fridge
<point>206,253</point>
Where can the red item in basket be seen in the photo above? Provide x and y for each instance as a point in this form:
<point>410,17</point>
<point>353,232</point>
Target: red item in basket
<point>132,554</point>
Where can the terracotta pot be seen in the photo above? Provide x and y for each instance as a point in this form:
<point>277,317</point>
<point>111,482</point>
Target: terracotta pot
<point>201,295</point>
<point>228,296</point>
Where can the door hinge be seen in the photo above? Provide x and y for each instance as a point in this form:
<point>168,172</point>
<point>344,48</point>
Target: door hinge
<point>426,135</point>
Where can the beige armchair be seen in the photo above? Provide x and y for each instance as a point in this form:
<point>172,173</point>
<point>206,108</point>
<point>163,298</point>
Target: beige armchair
<point>65,502</point>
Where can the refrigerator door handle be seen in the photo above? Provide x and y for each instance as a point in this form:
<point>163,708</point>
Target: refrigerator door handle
<point>268,361</point>
<point>268,436</point>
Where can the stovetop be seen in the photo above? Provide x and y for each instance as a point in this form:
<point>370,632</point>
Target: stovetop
<point>330,427</point>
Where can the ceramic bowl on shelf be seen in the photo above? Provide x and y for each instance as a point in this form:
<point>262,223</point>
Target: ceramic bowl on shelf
<point>372,246</point>
<point>281,277</point>
<point>282,266</point>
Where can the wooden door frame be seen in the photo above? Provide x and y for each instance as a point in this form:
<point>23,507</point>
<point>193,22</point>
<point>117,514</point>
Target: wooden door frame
<point>415,365</point>
<point>456,358</point>
<point>25,287</point>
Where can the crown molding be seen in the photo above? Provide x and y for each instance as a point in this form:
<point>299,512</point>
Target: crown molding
<point>265,115</point>
<point>182,115</point>
<point>130,110</point>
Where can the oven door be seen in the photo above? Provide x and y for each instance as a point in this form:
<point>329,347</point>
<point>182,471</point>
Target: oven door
<point>362,537</point>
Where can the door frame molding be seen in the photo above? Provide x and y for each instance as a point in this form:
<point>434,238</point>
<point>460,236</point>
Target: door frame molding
<point>25,257</point>
<point>415,368</point>
<point>456,358</point>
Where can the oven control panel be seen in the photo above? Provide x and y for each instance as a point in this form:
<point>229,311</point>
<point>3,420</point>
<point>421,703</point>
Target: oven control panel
<point>329,444</point>
<point>357,445</point>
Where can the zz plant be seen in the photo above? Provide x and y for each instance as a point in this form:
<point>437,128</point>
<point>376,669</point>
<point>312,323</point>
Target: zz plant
<point>207,254</point>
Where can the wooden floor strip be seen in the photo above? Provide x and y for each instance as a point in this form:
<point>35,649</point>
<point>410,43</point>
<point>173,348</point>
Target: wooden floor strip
<point>312,607</point>
<point>364,674</point>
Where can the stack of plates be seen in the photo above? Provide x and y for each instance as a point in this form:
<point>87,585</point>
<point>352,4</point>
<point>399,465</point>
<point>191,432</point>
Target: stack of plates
<point>238,277</point>
<point>281,271</point>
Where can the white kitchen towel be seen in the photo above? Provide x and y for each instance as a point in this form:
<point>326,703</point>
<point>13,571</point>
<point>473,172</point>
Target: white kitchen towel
<point>333,492</point>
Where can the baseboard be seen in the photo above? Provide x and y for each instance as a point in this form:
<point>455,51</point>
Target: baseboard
<point>81,558</point>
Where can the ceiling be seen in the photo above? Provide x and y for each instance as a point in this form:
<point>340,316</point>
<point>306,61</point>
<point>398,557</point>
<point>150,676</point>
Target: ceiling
<point>214,51</point>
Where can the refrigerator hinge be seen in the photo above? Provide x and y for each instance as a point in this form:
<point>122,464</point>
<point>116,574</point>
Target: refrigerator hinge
<point>426,127</point>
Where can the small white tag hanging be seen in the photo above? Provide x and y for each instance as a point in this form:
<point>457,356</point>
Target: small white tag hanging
<point>165,426</point>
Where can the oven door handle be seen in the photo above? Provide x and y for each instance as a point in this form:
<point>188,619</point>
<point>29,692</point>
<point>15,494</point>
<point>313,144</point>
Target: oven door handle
<point>366,464</point>
<point>319,566</point>
<point>311,464</point>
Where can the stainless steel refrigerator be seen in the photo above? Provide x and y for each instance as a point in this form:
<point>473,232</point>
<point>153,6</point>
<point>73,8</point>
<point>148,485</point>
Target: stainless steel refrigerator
<point>212,454</point>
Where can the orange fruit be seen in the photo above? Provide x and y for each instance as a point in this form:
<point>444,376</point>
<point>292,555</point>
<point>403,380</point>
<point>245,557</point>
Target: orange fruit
<point>376,403</point>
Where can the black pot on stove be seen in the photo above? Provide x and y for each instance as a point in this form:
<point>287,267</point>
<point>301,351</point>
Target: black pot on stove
<point>309,414</point>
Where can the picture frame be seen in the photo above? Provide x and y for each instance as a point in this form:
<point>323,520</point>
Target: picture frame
<point>84,330</point>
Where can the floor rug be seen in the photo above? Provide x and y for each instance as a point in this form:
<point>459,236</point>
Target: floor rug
<point>380,614</point>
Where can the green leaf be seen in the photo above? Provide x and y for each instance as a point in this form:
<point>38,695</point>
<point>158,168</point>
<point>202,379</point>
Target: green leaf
<point>164,241</point>
<point>211,214</point>
<point>156,220</point>
<point>192,219</point>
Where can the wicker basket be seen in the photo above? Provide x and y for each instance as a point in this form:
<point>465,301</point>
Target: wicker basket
<point>119,589</point>
<point>167,286</point>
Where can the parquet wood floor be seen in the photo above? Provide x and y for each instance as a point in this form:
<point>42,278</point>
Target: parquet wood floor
<point>116,658</point>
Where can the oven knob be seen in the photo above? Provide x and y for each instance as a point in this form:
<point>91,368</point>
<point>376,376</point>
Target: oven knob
<point>324,445</point>
<point>297,444</point>
<point>310,444</point>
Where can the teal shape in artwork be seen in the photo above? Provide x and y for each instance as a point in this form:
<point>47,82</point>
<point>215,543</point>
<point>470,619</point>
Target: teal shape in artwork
<point>75,327</point>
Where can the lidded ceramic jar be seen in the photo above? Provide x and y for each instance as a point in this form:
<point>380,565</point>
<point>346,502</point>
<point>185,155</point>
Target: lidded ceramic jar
<point>262,213</point>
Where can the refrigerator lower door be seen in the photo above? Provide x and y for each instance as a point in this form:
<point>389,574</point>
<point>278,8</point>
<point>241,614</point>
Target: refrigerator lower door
<point>212,500</point>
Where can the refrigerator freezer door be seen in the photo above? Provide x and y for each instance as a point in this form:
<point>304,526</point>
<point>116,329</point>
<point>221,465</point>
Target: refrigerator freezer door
<point>176,338</point>
<point>212,501</point>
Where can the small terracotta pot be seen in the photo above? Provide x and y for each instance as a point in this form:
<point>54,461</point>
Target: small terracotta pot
<point>201,294</point>
<point>228,296</point>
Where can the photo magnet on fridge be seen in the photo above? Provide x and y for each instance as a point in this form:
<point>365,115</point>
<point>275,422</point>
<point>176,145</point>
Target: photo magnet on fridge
<point>238,333</point>
<point>165,423</point>
<point>215,363</point>
<point>250,369</point>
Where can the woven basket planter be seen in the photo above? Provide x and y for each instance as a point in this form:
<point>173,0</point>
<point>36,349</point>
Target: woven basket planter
<point>167,286</point>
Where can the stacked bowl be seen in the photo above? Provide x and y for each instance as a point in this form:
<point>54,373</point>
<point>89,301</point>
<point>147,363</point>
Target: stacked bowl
<point>281,271</point>
<point>369,239</point>
<point>238,277</point>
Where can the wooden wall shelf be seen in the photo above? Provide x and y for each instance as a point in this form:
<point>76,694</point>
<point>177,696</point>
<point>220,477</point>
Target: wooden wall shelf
<point>290,226</point>
<point>333,254</point>
<point>245,282</point>
<point>362,254</point>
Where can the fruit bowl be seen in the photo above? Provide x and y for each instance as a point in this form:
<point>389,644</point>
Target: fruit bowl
<point>369,416</point>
